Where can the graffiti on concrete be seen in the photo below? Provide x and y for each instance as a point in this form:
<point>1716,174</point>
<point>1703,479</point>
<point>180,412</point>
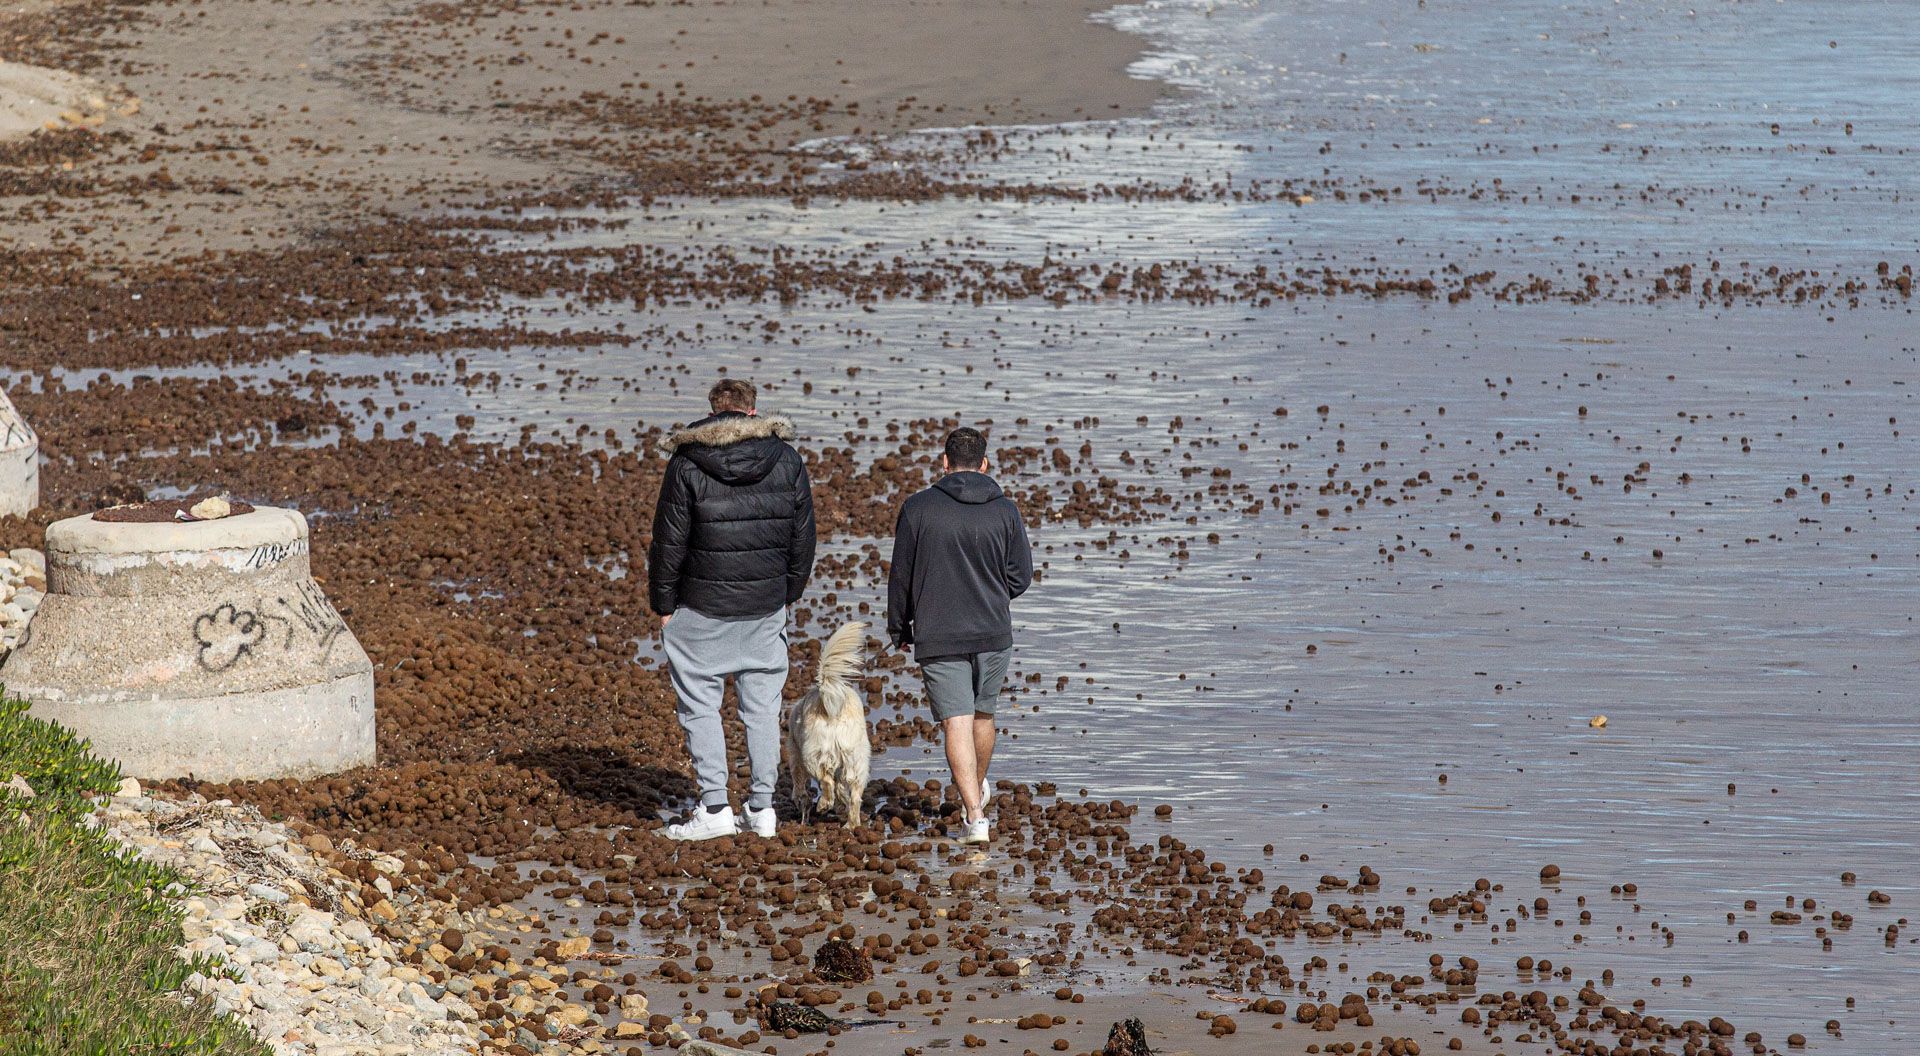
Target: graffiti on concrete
<point>226,635</point>
<point>230,632</point>
<point>311,607</point>
<point>273,553</point>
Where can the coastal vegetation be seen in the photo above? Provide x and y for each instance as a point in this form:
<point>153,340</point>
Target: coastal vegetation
<point>88,931</point>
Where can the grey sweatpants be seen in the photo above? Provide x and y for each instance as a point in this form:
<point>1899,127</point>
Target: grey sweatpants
<point>702,651</point>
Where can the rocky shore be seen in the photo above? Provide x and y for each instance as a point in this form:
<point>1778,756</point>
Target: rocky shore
<point>309,965</point>
<point>23,582</point>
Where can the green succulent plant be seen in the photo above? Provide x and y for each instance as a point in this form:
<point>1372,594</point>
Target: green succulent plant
<point>89,930</point>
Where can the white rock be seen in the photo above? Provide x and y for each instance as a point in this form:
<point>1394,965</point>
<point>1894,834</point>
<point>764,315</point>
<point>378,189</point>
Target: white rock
<point>312,929</point>
<point>422,1003</point>
<point>267,894</point>
<point>210,509</point>
<point>32,560</point>
<point>130,789</point>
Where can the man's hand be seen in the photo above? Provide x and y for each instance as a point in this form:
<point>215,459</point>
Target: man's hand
<point>664,620</point>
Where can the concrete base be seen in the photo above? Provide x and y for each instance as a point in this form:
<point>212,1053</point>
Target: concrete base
<point>19,462</point>
<point>301,731</point>
<point>198,648</point>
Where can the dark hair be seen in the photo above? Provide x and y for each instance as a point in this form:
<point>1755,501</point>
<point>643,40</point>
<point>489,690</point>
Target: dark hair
<point>731,394</point>
<point>966,449</point>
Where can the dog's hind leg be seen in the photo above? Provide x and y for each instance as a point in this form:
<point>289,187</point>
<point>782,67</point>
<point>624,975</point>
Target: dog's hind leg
<point>799,776</point>
<point>850,796</point>
<point>826,795</point>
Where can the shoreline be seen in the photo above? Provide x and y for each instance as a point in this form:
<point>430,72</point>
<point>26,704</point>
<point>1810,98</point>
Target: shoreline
<point>289,120</point>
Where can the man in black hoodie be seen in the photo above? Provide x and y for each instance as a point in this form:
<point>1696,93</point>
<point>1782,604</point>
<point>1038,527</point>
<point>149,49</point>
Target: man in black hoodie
<point>960,557</point>
<point>733,540</point>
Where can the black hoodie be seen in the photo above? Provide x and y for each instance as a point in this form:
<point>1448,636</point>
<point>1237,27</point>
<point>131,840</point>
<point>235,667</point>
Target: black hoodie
<point>733,532</point>
<point>960,556</point>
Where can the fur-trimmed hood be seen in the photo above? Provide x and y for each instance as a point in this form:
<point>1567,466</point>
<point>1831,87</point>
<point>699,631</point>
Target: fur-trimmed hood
<point>734,448</point>
<point>729,427</point>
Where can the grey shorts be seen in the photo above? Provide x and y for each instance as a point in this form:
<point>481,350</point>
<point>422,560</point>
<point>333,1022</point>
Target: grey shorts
<point>966,683</point>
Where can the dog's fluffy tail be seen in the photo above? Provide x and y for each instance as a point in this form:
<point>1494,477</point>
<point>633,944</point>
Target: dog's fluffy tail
<point>843,658</point>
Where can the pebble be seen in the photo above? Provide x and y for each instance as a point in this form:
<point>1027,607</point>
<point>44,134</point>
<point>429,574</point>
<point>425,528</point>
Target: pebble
<point>270,894</point>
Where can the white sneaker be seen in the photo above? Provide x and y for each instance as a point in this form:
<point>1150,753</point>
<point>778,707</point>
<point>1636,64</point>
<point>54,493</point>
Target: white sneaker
<point>705,826</point>
<point>975,832</point>
<point>761,822</point>
<point>986,794</point>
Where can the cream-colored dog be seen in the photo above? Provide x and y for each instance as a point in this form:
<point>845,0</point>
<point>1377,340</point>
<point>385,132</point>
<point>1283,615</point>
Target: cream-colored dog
<point>827,730</point>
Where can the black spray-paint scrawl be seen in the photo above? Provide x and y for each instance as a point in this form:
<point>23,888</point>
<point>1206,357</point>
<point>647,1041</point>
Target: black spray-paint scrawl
<point>226,634</point>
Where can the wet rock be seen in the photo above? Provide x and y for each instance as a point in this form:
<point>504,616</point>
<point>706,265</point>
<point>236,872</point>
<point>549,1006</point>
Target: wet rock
<point>1127,1038</point>
<point>782,1016</point>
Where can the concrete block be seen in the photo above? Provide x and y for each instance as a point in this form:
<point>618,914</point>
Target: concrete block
<point>202,648</point>
<point>19,461</point>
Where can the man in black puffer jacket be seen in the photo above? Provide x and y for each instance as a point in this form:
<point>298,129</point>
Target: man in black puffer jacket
<point>733,541</point>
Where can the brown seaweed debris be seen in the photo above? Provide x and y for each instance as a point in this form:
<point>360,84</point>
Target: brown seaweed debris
<point>783,1016</point>
<point>165,511</point>
<point>840,961</point>
<point>1127,1038</point>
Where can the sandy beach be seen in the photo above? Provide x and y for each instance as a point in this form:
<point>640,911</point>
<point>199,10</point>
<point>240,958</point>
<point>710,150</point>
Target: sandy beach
<point>264,122</point>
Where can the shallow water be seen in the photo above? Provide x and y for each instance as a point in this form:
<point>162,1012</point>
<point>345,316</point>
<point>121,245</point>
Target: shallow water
<point>1772,645</point>
<point>1757,676</point>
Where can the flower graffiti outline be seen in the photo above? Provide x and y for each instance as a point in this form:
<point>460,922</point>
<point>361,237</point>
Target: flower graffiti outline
<point>226,634</point>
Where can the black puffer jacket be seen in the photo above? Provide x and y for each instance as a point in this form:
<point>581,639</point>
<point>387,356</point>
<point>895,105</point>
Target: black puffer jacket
<point>733,532</point>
